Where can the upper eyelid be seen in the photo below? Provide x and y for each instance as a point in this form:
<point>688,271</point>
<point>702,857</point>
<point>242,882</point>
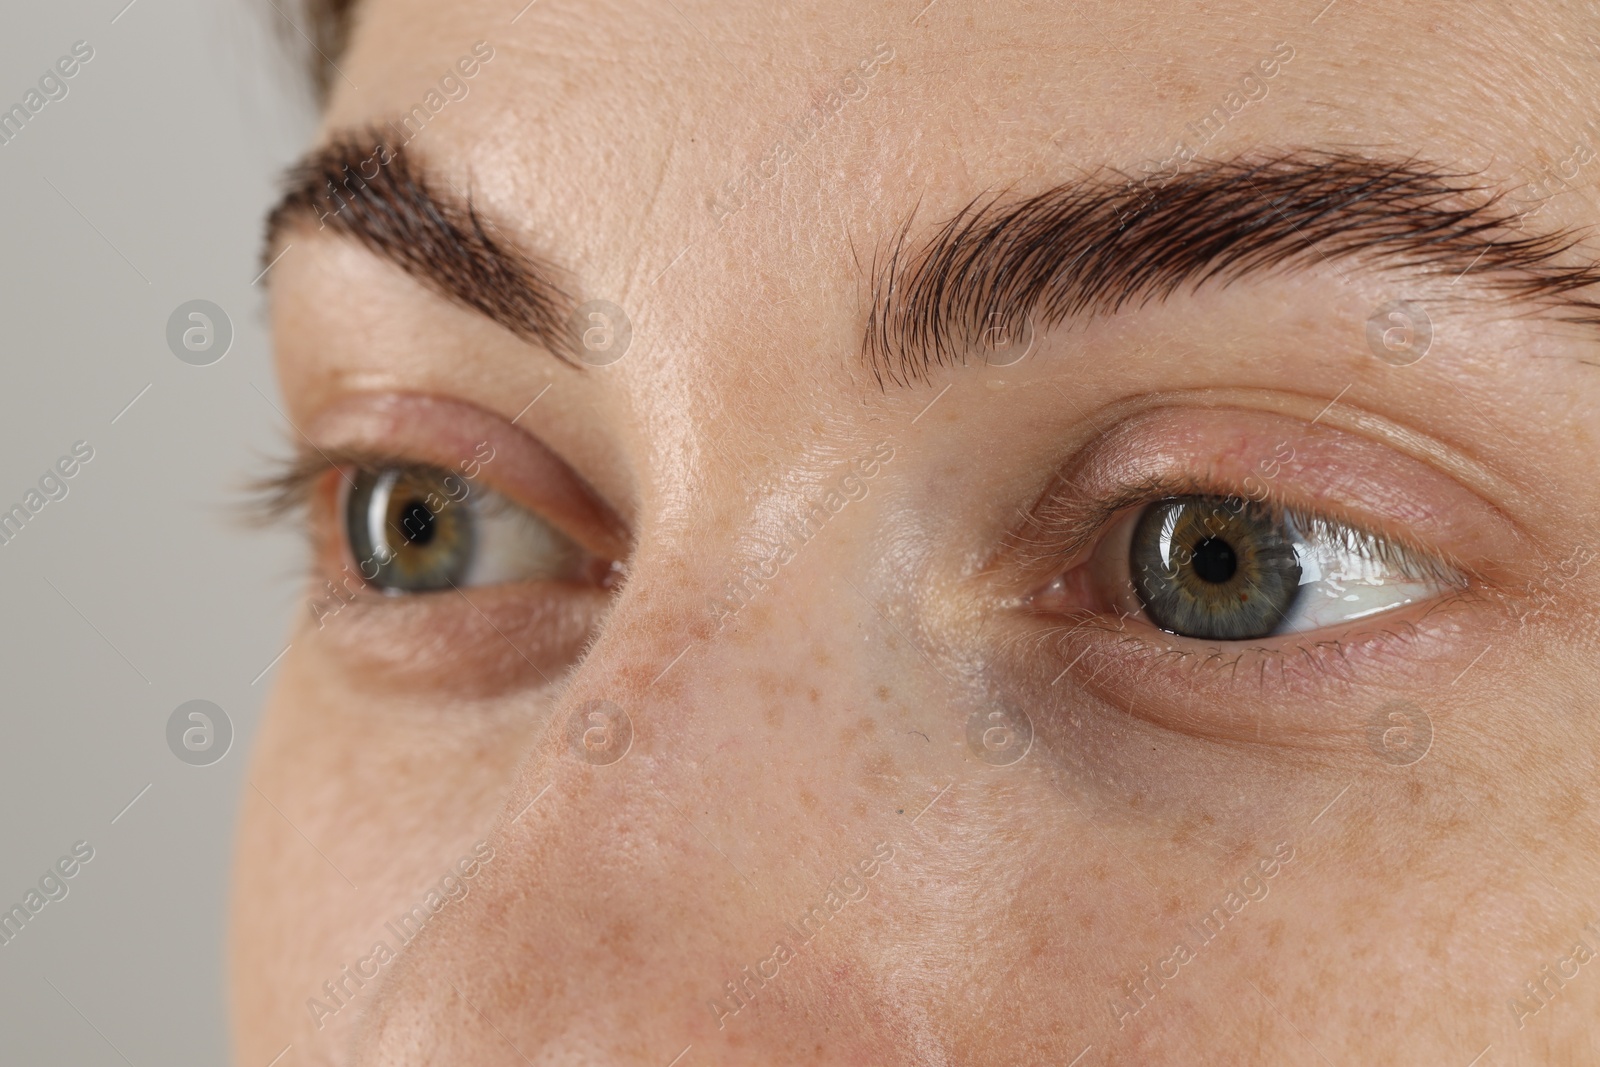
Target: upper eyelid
<point>1059,531</point>
<point>448,434</point>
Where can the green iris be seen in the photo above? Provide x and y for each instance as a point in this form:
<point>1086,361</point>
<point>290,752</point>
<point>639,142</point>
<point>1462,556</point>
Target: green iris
<point>412,526</point>
<point>1215,568</point>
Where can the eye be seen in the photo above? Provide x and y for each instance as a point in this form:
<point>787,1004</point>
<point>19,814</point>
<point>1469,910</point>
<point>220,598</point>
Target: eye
<point>1222,568</point>
<point>1203,569</point>
<point>417,529</point>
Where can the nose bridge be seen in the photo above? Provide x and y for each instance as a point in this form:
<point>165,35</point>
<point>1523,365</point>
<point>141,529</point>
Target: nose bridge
<point>638,854</point>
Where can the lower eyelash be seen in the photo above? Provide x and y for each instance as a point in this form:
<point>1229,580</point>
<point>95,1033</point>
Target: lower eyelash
<point>1075,639</point>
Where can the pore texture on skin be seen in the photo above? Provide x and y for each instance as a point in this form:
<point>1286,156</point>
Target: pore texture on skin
<point>934,534</point>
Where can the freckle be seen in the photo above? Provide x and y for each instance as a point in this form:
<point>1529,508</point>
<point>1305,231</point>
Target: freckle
<point>821,657</point>
<point>1274,933</point>
<point>813,695</point>
<point>808,800</point>
<point>617,935</point>
<point>1568,806</point>
<point>883,693</point>
<point>859,809</point>
<point>881,775</point>
<point>774,716</point>
<point>867,726</point>
<point>1085,921</point>
<point>1099,872</point>
<point>1414,791</point>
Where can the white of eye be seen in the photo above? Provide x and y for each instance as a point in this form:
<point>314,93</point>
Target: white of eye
<point>1347,575</point>
<point>511,544</point>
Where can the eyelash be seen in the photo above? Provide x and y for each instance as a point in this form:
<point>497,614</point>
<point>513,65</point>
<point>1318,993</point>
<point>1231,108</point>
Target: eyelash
<point>1061,528</point>
<point>1068,547</point>
<point>286,495</point>
<point>285,492</point>
<point>1327,657</point>
<point>1063,531</point>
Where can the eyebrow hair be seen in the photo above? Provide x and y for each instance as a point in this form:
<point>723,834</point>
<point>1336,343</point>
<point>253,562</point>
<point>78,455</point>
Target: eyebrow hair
<point>1110,241</point>
<point>437,236</point>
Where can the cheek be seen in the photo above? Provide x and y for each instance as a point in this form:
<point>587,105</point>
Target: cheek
<point>759,763</point>
<point>372,799</point>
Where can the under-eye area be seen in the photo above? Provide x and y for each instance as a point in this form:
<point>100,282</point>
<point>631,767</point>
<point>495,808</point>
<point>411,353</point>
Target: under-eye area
<point>1134,462</point>
<point>1233,573</point>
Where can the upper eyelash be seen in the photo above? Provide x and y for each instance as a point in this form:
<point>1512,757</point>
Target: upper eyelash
<point>1059,527</point>
<point>1367,545</point>
<point>285,491</point>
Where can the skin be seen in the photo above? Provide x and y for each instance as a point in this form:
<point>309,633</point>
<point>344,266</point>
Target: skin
<point>831,715</point>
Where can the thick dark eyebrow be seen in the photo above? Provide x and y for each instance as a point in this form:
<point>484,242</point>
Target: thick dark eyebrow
<point>360,187</point>
<point>1107,242</point>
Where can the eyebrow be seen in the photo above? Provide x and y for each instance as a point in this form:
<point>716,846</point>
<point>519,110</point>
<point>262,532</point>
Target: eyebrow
<point>1088,247</point>
<point>1095,246</point>
<point>359,187</point>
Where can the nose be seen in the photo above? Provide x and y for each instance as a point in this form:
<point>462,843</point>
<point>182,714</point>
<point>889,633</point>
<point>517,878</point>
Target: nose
<point>698,851</point>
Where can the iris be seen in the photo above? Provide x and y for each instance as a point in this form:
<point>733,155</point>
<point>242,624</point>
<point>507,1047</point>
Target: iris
<point>1215,568</point>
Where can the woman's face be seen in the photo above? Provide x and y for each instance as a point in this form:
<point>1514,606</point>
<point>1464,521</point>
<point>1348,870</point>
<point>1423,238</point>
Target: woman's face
<point>998,533</point>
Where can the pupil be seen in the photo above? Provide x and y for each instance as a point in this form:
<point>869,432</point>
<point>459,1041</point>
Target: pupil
<point>1214,561</point>
<point>417,523</point>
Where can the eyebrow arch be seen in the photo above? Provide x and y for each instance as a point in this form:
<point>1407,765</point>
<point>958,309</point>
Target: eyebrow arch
<point>359,187</point>
<point>1095,246</point>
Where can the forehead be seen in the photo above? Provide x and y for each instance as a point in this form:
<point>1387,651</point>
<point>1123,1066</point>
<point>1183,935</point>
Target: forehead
<point>691,91</point>
<point>736,160</point>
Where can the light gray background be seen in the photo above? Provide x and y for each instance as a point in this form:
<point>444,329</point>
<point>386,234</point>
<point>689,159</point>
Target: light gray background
<point>163,157</point>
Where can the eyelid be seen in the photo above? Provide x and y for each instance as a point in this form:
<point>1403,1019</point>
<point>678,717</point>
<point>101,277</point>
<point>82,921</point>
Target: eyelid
<point>1335,474</point>
<point>1068,530</point>
<point>414,430</point>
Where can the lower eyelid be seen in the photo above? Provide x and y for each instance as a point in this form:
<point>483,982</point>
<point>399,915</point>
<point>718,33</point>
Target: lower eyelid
<point>481,641</point>
<point>1295,689</point>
